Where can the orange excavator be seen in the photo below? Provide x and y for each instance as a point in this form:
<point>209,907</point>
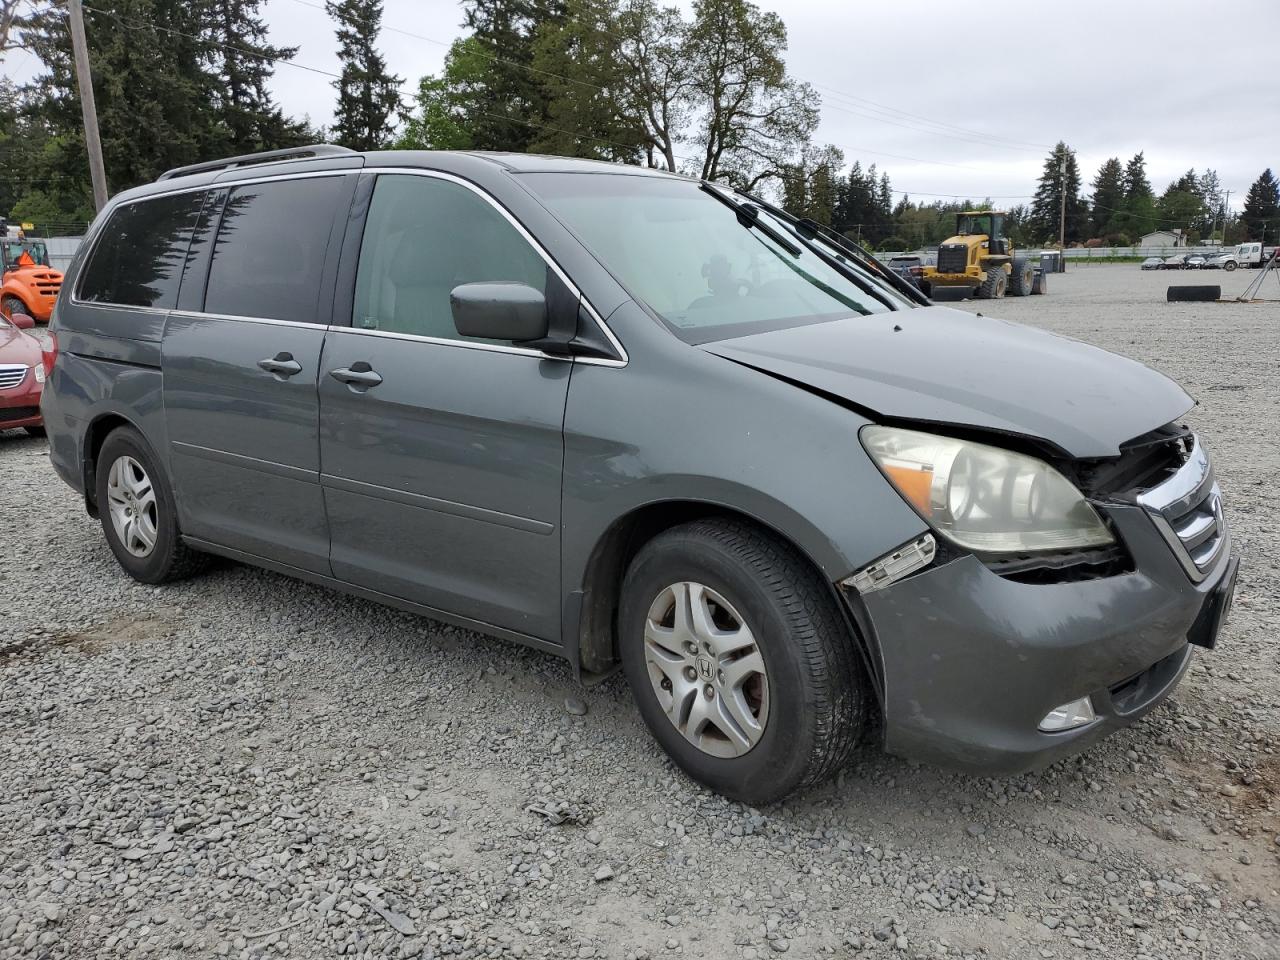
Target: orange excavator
<point>27,283</point>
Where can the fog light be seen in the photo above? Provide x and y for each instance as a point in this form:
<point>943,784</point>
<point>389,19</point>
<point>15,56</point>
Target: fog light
<point>1077,713</point>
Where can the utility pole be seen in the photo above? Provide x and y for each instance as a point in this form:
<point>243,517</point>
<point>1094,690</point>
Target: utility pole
<point>1062,216</point>
<point>84,80</point>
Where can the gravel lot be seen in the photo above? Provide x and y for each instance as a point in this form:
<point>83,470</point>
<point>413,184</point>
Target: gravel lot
<point>245,766</point>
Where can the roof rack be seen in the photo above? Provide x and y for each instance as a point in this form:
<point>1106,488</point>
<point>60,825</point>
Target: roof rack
<point>248,159</point>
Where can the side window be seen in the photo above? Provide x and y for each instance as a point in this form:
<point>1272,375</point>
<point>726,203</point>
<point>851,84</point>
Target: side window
<point>268,256</point>
<point>422,238</point>
<point>137,260</point>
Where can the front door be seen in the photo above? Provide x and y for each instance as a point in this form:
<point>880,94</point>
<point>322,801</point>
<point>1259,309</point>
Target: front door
<point>441,456</point>
<point>240,369</point>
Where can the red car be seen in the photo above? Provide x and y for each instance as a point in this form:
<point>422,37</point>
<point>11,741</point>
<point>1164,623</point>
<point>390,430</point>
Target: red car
<point>22,372</point>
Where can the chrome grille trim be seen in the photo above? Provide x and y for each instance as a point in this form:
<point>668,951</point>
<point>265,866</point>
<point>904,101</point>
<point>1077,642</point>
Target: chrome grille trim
<point>12,375</point>
<point>1187,510</point>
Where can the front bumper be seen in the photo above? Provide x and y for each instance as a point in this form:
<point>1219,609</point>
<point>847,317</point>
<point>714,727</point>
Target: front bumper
<point>20,405</point>
<point>972,662</point>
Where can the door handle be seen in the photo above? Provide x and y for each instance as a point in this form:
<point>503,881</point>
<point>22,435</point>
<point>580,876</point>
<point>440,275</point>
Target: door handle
<point>359,376</point>
<point>281,366</point>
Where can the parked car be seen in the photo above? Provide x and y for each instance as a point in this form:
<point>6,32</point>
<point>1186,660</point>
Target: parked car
<point>22,375</point>
<point>1152,263</point>
<point>1177,262</point>
<point>648,424</point>
<point>911,268</point>
<point>1195,261</point>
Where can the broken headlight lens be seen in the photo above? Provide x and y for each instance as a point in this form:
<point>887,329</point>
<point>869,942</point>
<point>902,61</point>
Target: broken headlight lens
<point>984,498</point>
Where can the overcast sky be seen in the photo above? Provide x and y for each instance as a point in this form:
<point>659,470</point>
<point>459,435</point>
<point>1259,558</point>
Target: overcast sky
<point>1193,83</point>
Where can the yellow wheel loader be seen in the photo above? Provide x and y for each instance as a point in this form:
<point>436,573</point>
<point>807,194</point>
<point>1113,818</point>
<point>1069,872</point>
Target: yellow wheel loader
<point>980,259</point>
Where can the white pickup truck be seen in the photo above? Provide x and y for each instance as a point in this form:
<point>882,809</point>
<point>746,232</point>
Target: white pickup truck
<point>1244,255</point>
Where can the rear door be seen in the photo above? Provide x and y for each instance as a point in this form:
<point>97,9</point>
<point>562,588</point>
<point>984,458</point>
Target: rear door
<point>241,357</point>
<point>441,463</point>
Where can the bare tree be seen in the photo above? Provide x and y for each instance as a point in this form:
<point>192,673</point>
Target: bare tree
<point>14,16</point>
<point>755,121</point>
<point>656,75</point>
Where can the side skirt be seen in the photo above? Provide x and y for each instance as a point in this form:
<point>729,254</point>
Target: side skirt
<point>408,606</point>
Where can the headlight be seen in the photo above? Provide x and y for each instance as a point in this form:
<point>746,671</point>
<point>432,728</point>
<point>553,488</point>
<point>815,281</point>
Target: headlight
<point>985,498</point>
<point>38,371</point>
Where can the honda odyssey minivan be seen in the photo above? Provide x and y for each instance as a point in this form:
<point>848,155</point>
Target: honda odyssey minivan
<point>647,424</point>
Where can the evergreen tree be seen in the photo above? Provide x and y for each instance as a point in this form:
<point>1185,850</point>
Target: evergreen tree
<point>1108,197</point>
<point>507,109</point>
<point>1261,216</point>
<point>1139,208</point>
<point>243,61</point>
<point>588,111</point>
<point>1061,174</point>
<point>1180,206</point>
<point>156,101</point>
<point>1209,188</point>
<point>368,96</point>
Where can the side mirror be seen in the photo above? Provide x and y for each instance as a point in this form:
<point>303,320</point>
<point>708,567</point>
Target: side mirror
<point>499,311</point>
<point>22,321</point>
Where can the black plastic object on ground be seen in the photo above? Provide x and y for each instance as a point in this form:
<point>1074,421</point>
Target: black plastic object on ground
<point>1194,294</point>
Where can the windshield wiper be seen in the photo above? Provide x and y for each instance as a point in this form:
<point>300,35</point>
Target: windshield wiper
<point>749,216</point>
<point>807,229</point>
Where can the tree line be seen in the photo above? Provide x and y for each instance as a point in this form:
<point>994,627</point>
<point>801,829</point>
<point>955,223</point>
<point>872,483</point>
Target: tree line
<point>706,93</point>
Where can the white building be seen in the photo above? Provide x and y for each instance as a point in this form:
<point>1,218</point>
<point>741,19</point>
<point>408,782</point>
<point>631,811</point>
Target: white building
<point>1163,238</point>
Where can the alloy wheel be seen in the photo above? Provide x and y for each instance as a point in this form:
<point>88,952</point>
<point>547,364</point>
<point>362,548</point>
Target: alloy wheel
<point>706,669</point>
<point>132,504</point>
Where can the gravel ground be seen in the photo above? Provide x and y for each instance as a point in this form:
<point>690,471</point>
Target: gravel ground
<point>245,766</point>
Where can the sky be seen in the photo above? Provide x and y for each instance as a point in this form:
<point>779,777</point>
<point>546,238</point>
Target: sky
<point>952,99</point>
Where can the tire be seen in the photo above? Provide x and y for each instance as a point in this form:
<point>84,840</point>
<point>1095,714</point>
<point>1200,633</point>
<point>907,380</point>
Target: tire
<point>1229,265</point>
<point>993,286</point>
<point>1021,279</point>
<point>34,431</point>
<point>1193,294</point>
<point>144,489</point>
<point>9,305</point>
<point>808,700</point>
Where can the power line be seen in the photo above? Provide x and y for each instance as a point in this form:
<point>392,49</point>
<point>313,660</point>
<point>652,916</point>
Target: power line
<point>407,100</point>
<point>895,111</point>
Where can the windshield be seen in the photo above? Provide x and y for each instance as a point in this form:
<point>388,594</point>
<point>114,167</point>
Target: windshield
<point>974,225</point>
<point>687,256</point>
<point>13,250</point>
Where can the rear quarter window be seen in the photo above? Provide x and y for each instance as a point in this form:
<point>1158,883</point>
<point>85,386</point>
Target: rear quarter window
<point>268,256</point>
<point>138,258</point>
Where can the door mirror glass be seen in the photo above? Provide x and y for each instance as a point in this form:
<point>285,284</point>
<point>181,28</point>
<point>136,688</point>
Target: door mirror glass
<point>499,311</point>
<point>22,321</point>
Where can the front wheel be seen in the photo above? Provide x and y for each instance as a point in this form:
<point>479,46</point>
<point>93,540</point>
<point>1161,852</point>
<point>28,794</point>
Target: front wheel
<point>136,506</point>
<point>1229,265</point>
<point>739,661</point>
<point>10,305</point>
<point>993,286</point>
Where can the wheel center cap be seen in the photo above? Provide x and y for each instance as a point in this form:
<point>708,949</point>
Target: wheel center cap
<point>706,669</point>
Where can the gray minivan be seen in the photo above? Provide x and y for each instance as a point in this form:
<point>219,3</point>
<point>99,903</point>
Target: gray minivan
<point>649,424</point>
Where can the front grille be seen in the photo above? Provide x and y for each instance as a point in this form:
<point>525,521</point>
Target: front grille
<point>12,374</point>
<point>953,257</point>
<point>1187,510</point>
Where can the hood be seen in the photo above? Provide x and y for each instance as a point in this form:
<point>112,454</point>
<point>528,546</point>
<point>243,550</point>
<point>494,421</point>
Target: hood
<point>17,346</point>
<point>944,366</point>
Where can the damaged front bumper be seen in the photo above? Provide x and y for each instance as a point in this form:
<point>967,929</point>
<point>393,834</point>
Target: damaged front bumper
<point>972,663</point>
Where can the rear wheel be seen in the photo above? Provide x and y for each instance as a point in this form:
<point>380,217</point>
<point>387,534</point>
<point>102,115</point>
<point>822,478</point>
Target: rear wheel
<point>1020,281</point>
<point>993,286</point>
<point>9,305</point>
<point>739,661</point>
<point>136,506</point>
